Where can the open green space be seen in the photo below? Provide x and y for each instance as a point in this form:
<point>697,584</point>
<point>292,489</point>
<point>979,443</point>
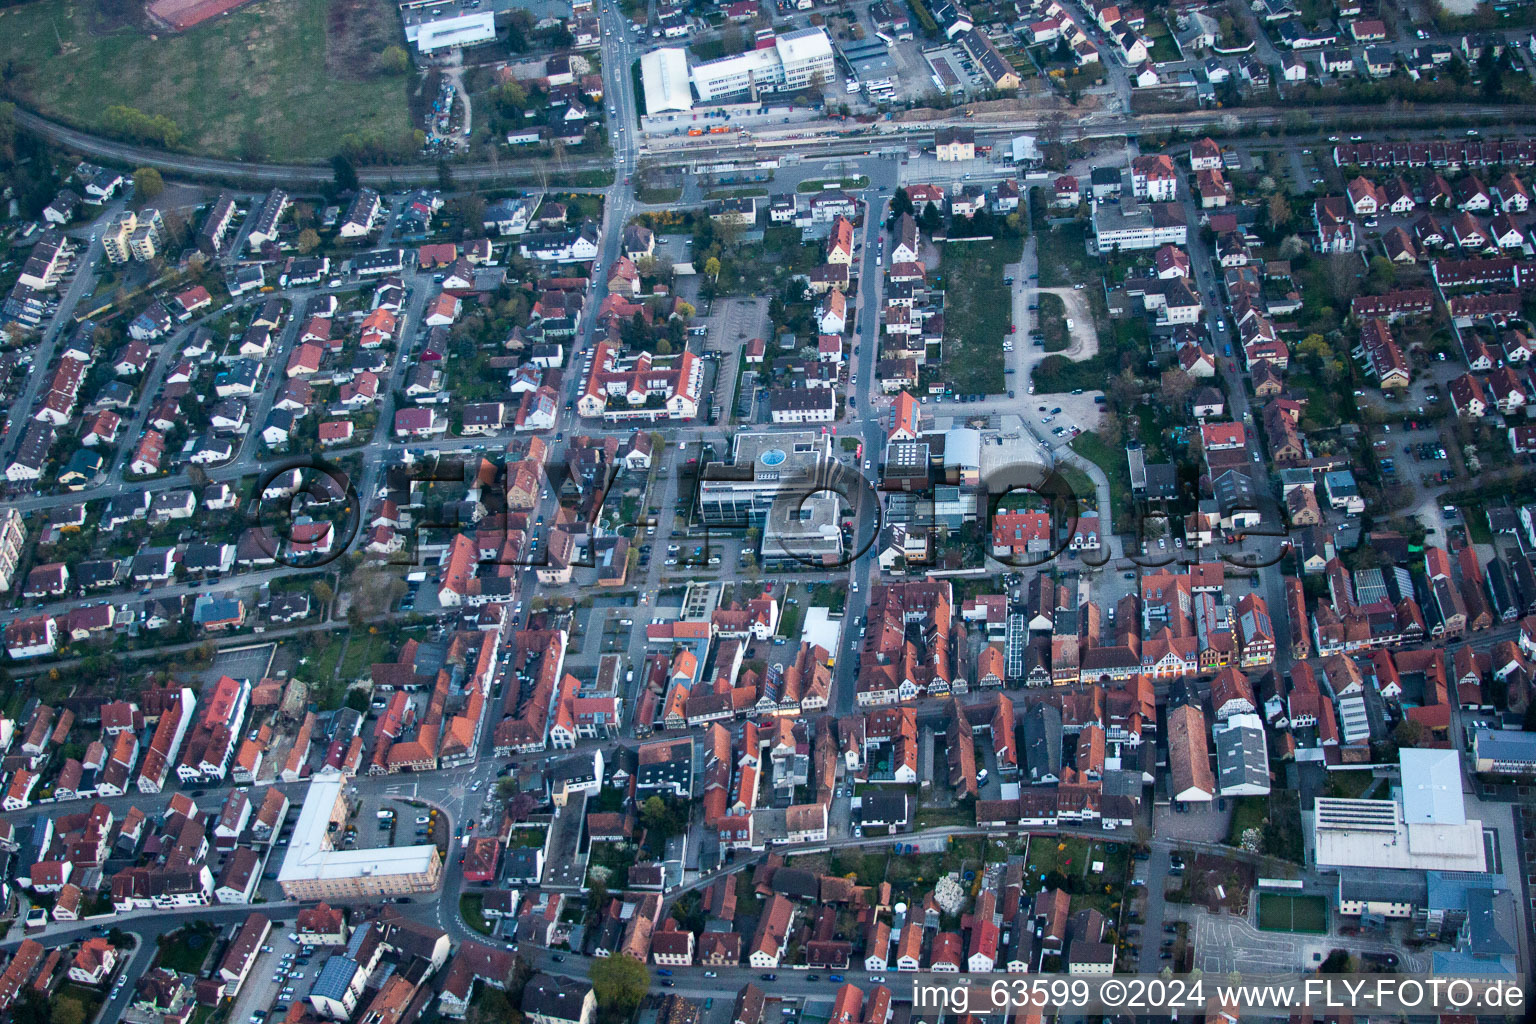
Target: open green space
<point>1053,322</point>
<point>472,908</point>
<point>817,185</point>
<point>1067,862</point>
<point>1289,912</point>
<point>1247,813</point>
<point>186,949</point>
<point>1112,461</point>
<point>363,650</point>
<point>274,81</point>
<point>1163,49</point>
<point>658,194</point>
<point>975,320</point>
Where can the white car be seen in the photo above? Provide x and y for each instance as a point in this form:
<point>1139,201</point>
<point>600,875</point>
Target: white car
<point>423,820</point>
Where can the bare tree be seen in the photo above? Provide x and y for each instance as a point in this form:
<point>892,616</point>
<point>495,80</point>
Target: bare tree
<point>1175,387</point>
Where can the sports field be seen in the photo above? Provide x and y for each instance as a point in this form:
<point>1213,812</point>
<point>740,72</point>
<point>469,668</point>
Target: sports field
<point>1285,912</point>
<point>279,80</point>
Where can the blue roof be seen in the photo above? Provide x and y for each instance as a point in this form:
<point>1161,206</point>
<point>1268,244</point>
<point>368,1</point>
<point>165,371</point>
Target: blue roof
<point>208,608</point>
<point>1505,745</point>
<point>1447,962</point>
<point>1447,890</point>
<point>335,976</point>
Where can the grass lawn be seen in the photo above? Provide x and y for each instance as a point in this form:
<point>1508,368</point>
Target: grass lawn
<point>1074,858</point>
<point>1351,785</point>
<point>649,194</point>
<point>940,817</point>
<point>1287,912</point>
<point>316,668</point>
<point>1247,813</point>
<point>862,181</point>
<point>363,650</point>
<point>1112,461</point>
<point>185,950</point>
<point>1053,323</point>
<point>975,321</point>
<point>736,193</point>
<point>1080,482</point>
<point>1062,257</point>
<point>286,81</point>
<point>1163,50</point>
<point>471,906</point>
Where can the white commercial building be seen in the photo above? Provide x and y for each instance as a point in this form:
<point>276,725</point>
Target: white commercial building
<point>454,27</point>
<point>315,870</point>
<point>795,61</point>
<point>664,74</point>
<point>1425,827</point>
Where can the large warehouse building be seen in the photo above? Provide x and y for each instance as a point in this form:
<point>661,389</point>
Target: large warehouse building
<point>664,74</point>
<point>1424,827</point>
<point>434,25</point>
<point>315,870</point>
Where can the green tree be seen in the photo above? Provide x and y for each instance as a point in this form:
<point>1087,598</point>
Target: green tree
<point>931,219</point>
<point>510,98</point>
<point>7,134</point>
<point>901,203</point>
<point>393,60</point>
<point>1491,70</point>
<point>1381,275</point>
<point>147,183</point>
<point>345,172</point>
<point>654,814</point>
<point>1408,733</point>
<point>1339,962</point>
<point>619,983</point>
<point>309,240</point>
<point>492,1007</point>
<point>67,1010</point>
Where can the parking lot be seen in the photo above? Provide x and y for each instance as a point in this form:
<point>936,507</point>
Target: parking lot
<point>403,829</point>
<point>281,976</point>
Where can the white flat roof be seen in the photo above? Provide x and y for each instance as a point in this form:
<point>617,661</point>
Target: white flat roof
<point>803,45</point>
<point>463,29</point>
<point>311,855</point>
<point>1372,834</point>
<point>819,628</point>
<point>664,75</point>
<point>1432,787</point>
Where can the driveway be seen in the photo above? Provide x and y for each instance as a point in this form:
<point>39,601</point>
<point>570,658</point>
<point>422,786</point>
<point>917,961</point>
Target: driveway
<point>1085,337</point>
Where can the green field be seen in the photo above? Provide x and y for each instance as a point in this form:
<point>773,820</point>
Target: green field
<point>1112,461</point>
<point>275,80</point>
<point>1053,322</point>
<point>975,319</point>
<point>1286,912</point>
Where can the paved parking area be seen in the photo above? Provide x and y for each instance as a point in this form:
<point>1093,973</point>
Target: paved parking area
<point>403,833</point>
<point>243,663</point>
<point>272,977</point>
<point>1224,944</point>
